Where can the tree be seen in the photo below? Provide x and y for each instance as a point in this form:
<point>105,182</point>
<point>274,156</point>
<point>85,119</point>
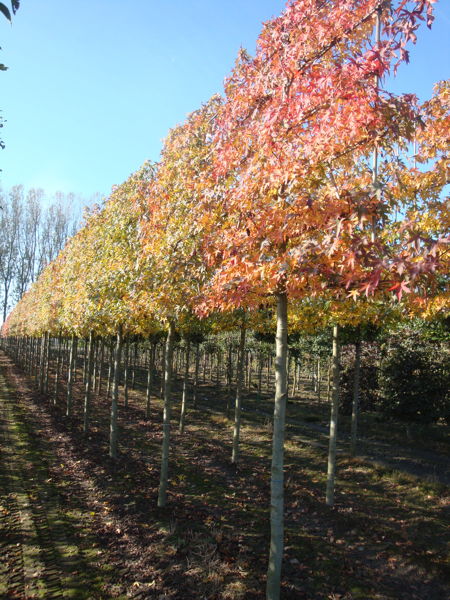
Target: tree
<point>297,120</point>
<point>10,222</point>
<point>173,269</point>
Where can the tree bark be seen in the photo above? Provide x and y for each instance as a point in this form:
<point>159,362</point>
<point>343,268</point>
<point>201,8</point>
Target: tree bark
<point>163,366</point>
<point>197,367</point>
<point>113,433</point>
<point>238,403</point>
<point>47,361</point>
<point>88,383</point>
<point>151,366</point>
<point>185,387</point>
<point>125,373</point>
<point>331,473</point>
<point>72,367</point>
<point>164,476</point>
<point>42,363</point>
<point>58,368</point>
<point>100,366</point>
<point>277,475</point>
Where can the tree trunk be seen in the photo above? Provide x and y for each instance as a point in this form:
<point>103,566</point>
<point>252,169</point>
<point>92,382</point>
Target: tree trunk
<point>197,367</point>
<point>88,384</point>
<point>163,366</point>
<point>185,387</point>
<point>229,368</point>
<point>356,394</point>
<point>295,383</point>
<point>100,366</point>
<point>85,350</point>
<point>260,372</point>
<point>330,369</point>
<point>110,369</point>
<point>133,369</point>
<point>58,368</point>
<point>72,366</point>
<point>238,403</point>
<point>319,375</point>
<point>115,396</point>
<point>162,495</point>
<point>125,373</point>
<point>331,474</point>
<point>151,366</point>
<point>47,361</point>
<point>276,483</point>
<point>42,364</point>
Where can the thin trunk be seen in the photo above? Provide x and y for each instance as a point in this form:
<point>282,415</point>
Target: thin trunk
<point>113,433</point>
<point>151,366</point>
<point>94,364</point>
<point>47,361</point>
<point>185,387</point>
<point>163,363</point>
<point>85,355</point>
<point>229,368</point>
<point>204,365</point>
<point>162,494</point>
<point>331,474</point>
<point>295,383</point>
<point>277,475</point>
<point>330,368</point>
<point>58,367</point>
<point>110,369</point>
<point>88,384</point>
<point>356,394</point>
<point>218,368</point>
<point>238,403</point>
<point>249,371</point>
<point>125,372</point>
<point>100,366</point>
<point>133,369</point>
<point>72,364</point>
<point>197,367</point>
<point>42,364</point>
<point>319,374</point>
<point>260,371</point>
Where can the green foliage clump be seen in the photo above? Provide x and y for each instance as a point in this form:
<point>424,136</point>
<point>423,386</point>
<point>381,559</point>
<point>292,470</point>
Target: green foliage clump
<point>414,376</point>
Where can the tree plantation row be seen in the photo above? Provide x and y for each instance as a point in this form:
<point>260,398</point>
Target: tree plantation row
<point>373,369</point>
<point>307,197</point>
<point>78,387</point>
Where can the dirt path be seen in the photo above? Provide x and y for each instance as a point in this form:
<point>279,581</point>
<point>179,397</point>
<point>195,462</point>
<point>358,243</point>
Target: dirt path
<point>41,549</point>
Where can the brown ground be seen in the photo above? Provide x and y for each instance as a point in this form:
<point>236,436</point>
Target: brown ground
<point>76,524</point>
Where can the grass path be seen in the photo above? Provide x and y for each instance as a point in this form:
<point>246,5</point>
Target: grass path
<point>45,546</point>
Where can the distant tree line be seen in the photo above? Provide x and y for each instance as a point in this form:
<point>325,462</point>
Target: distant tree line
<point>33,228</point>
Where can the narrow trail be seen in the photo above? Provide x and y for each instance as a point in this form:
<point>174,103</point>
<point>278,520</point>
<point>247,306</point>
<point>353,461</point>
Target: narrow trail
<point>40,555</point>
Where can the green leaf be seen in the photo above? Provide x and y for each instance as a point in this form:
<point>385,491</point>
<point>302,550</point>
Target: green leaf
<point>5,10</point>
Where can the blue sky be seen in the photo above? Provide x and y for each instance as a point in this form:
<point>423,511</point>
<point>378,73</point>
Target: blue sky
<point>93,86</point>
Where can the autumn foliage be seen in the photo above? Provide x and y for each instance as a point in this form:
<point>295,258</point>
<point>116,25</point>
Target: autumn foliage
<point>307,181</point>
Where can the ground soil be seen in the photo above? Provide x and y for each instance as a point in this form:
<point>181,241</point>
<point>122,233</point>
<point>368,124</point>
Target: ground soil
<point>76,524</point>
